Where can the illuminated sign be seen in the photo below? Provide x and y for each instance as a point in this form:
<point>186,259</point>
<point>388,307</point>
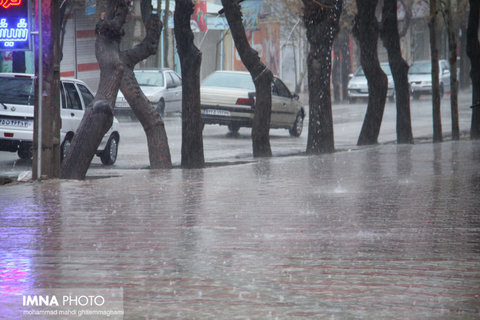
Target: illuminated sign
<point>14,25</point>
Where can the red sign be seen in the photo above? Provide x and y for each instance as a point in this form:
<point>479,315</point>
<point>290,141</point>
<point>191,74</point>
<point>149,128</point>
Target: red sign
<point>7,3</point>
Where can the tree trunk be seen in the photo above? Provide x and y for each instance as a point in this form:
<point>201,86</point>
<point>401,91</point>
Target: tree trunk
<point>321,22</point>
<point>50,120</point>
<point>262,78</point>
<point>190,60</point>
<point>399,67</point>
<point>452,57</point>
<point>366,31</point>
<point>166,34</point>
<point>473,52</point>
<point>98,116</point>
<point>437,119</point>
<point>158,150</point>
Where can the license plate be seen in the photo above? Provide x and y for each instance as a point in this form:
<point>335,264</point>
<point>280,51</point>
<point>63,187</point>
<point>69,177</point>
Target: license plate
<point>16,123</point>
<point>215,112</point>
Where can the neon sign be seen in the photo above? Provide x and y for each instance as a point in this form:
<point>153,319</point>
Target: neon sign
<point>14,25</point>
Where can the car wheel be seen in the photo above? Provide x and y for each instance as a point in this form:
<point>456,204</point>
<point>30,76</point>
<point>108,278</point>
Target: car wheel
<point>161,108</point>
<point>64,148</point>
<point>109,155</point>
<point>442,91</point>
<point>415,96</point>
<point>352,100</point>
<point>297,127</point>
<point>25,152</point>
<point>233,128</point>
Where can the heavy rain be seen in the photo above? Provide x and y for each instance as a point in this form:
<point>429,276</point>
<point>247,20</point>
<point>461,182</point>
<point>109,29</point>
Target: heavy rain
<point>364,208</point>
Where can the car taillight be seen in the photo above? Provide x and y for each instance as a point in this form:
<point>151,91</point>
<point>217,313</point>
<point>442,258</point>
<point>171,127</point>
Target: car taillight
<point>245,102</point>
<point>8,135</point>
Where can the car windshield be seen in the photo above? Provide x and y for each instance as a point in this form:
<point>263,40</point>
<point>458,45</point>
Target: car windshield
<point>17,90</point>
<point>420,68</point>
<point>359,73</point>
<point>149,79</point>
<point>385,68</point>
<point>229,80</point>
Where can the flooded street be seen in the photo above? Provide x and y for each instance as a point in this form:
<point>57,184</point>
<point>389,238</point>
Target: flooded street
<point>386,232</point>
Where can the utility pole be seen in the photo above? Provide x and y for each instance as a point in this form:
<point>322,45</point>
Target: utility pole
<point>46,140</point>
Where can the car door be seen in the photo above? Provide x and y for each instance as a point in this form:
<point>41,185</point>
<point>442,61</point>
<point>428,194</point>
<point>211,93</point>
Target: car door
<point>282,105</point>
<point>175,90</point>
<point>72,108</point>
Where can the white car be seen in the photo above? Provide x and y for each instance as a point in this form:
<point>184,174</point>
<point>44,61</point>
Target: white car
<point>163,88</point>
<point>420,77</point>
<point>17,93</point>
<point>358,85</point>
<point>228,98</point>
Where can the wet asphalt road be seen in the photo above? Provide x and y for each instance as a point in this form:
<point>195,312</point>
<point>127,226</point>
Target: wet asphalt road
<point>384,232</point>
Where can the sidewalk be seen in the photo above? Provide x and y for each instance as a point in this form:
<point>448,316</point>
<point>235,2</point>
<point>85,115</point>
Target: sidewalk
<point>385,232</point>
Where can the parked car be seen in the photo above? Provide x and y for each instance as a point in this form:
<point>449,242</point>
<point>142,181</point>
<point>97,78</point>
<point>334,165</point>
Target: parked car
<point>16,116</point>
<point>420,78</point>
<point>358,85</point>
<point>163,88</point>
<point>228,98</point>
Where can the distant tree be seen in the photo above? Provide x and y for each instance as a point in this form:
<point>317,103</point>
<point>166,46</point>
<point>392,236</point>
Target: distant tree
<point>473,52</point>
<point>262,78</point>
<point>166,34</point>
<point>366,31</point>
<point>146,113</point>
<point>391,41</point>
<point>437,118</point>
<point>190,60</point>
<point>321,18</point>
<point>448,9</point>
<point>98,116</point>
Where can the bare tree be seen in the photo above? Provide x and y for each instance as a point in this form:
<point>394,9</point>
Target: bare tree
<point>437,118</point>
<point>262,78</point>
<point>153,125</point>
<point>321,18</point>
<point>391,41</point>
<point>449,13</point>
<point>166,34</point>
<point>190,60</point>
<point>473,52</point>
<point>366,31</point>
<point>98,116</point>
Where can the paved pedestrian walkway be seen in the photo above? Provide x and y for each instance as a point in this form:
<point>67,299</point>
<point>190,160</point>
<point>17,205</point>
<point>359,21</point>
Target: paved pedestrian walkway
<point>385,232</point>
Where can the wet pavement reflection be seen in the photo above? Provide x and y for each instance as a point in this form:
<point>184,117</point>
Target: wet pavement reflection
<point>387,232</point>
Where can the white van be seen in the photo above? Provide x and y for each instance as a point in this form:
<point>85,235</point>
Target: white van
<point>17,93</point>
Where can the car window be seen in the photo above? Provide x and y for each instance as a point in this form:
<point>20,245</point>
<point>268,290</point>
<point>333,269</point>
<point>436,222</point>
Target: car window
<point>386,69</point>
<point>359,72</point>
<point>150,79</point>
<point>282,89</point>
<point>229,80</point>
<point>73,98</point>
<point>170,82</point>
<point>176,78</point>
<point>86,94</point>
<point>17,90</point>
<point>420,68</point>
<point>62,96</point>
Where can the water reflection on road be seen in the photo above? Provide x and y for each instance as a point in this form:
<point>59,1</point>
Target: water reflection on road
<point>383,232</point>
